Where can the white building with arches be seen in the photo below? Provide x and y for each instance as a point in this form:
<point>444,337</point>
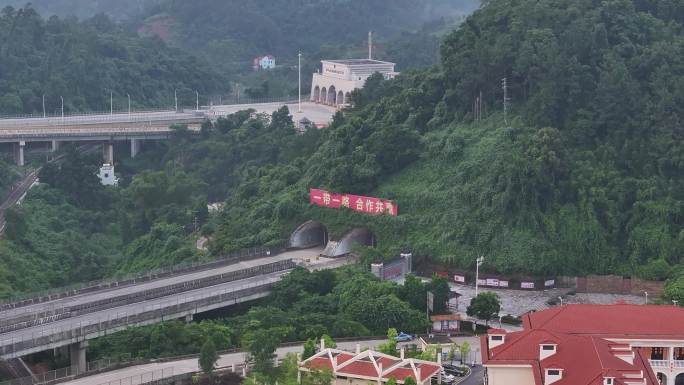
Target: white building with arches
<point>338,78</point>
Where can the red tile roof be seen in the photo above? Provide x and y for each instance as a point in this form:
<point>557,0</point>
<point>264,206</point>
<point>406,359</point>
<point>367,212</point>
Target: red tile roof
<point>581,334</point>
<point>446,317</point>
<point>367,364</point>
<point>638,321</point>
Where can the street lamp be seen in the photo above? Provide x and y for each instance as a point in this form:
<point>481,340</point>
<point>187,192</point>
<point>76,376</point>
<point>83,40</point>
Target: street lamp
<point>111,102</point>
<point>175,98</point>
<point>44,114</point>
<point>478,261</point>
<point>561,300</point>
<point>197,93</point>
<point>646,294</point>
<point>62,98</point>
<point>299,68</point>
<point>129,104</point>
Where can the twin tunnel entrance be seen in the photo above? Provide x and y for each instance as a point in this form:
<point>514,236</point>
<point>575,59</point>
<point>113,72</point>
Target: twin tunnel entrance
<point>314,233</point>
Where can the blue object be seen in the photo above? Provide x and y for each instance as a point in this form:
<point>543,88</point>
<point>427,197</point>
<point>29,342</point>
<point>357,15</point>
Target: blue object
<point>404,337</point>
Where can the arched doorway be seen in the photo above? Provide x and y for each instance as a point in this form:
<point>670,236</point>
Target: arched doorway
<point>317,94</point>
<point>679,380</point>
<point>353,238</point>
<point>347,98</point>
<point>340,98</point>
<point>332,96</point>
<point>662,378</point>
<point>309,234</point>
<point>324,95</point>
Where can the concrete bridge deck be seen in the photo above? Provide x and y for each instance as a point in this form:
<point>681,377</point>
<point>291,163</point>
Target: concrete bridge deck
<point>53,324</point>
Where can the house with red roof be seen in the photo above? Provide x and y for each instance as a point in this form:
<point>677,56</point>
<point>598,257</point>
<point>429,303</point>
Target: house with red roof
<point>367,367</point>
<point>617,344</point>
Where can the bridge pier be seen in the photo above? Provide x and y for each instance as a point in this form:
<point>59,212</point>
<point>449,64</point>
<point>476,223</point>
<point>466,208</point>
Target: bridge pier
<point>135,147</point>
<point>55,146</point>
<point>77,352</point>
<point>108,152</point>
<point>19,152</point>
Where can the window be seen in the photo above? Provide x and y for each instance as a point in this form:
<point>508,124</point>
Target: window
<point>657,353</point>
<point>548,347</point>
<point>553,372</point>
<point>609,381</point>
<point>106,175</point>
<point>497,338</point>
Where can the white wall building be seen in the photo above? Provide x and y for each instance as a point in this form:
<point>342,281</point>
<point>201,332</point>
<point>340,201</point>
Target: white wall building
<point>338,78</point>
<point>107,176</point>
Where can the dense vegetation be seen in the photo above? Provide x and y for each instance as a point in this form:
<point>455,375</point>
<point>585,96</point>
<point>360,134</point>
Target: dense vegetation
<point>582,179</point>
<point>119,9</point>
<point>346,303</point>
<point>85,61</point>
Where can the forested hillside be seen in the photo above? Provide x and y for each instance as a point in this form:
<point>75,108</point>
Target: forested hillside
<point>85,61</point>
<point>584,178</point>
<point>118,9</point>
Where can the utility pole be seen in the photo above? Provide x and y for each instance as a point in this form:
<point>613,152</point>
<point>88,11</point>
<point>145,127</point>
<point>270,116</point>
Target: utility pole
<point>44,114</point>
<point>370,45</point>
<point>478,261</point>
<point>299,67</point>
<point>505,101</point>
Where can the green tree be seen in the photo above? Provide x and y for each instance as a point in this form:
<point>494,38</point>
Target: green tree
<point>409,381</point>
<point>261,345</point>
<point>465,350</point>
<point>309,348</point>
<point>390,346</point>
<point>439,286</point>
<point>208,357</point>
<point>485,306</point>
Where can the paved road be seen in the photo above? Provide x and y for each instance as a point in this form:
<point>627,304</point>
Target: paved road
<point>146,305</point>
<point>317,113</point>
<point>476,377</point>
<point>104,294</point>
<point>190,365</point>
<point>137,117</point>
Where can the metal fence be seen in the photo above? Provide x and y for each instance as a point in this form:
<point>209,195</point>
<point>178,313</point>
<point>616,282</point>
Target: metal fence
<point>82,288</point>
<point>53,376</point>
<point>29,319</point>
<point>25,343</point>
<point>161,376</point>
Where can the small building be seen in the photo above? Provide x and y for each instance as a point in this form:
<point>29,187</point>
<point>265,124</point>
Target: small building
<point>449,323</point>
<point>106,175</point>
<point>338,78</point>
<point>362,368</point>
<point>617,344</point>
<point>264,63</point>
<point>441,343</point>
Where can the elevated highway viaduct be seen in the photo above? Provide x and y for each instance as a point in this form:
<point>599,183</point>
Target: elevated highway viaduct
<point>72,318</point>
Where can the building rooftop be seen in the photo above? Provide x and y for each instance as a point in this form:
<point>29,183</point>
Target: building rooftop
<point>588,342</point>
<point>371,365</point>
<point>358,62</point>
<point>620,320</point>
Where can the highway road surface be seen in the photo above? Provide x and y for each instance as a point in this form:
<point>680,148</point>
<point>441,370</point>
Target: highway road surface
<point>163,301</point>
<point>316,113</point>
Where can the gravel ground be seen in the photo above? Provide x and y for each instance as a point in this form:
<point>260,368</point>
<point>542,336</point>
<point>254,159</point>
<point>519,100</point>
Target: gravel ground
<point>518,302</point>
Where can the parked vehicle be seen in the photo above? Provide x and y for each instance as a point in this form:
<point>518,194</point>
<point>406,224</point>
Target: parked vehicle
<point>403,337</point>
<point>454,370</point>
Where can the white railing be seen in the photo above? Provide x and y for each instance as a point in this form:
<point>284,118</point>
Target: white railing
<point>679,364</point>
<point>659,363</point>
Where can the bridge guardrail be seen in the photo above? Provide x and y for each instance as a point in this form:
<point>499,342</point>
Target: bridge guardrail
<point>29,320</point>
<point>58,293</point>
<point>50,336</point>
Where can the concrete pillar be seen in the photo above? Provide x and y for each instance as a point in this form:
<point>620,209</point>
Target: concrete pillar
<point>108,152</point>
<point>19,153</point>
<point>55,145</point>
<point>77,352</point>
<point>135,147</point>
<point>189,318</point>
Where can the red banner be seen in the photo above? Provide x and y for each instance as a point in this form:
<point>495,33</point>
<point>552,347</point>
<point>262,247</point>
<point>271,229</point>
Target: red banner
<point>368,205</point>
